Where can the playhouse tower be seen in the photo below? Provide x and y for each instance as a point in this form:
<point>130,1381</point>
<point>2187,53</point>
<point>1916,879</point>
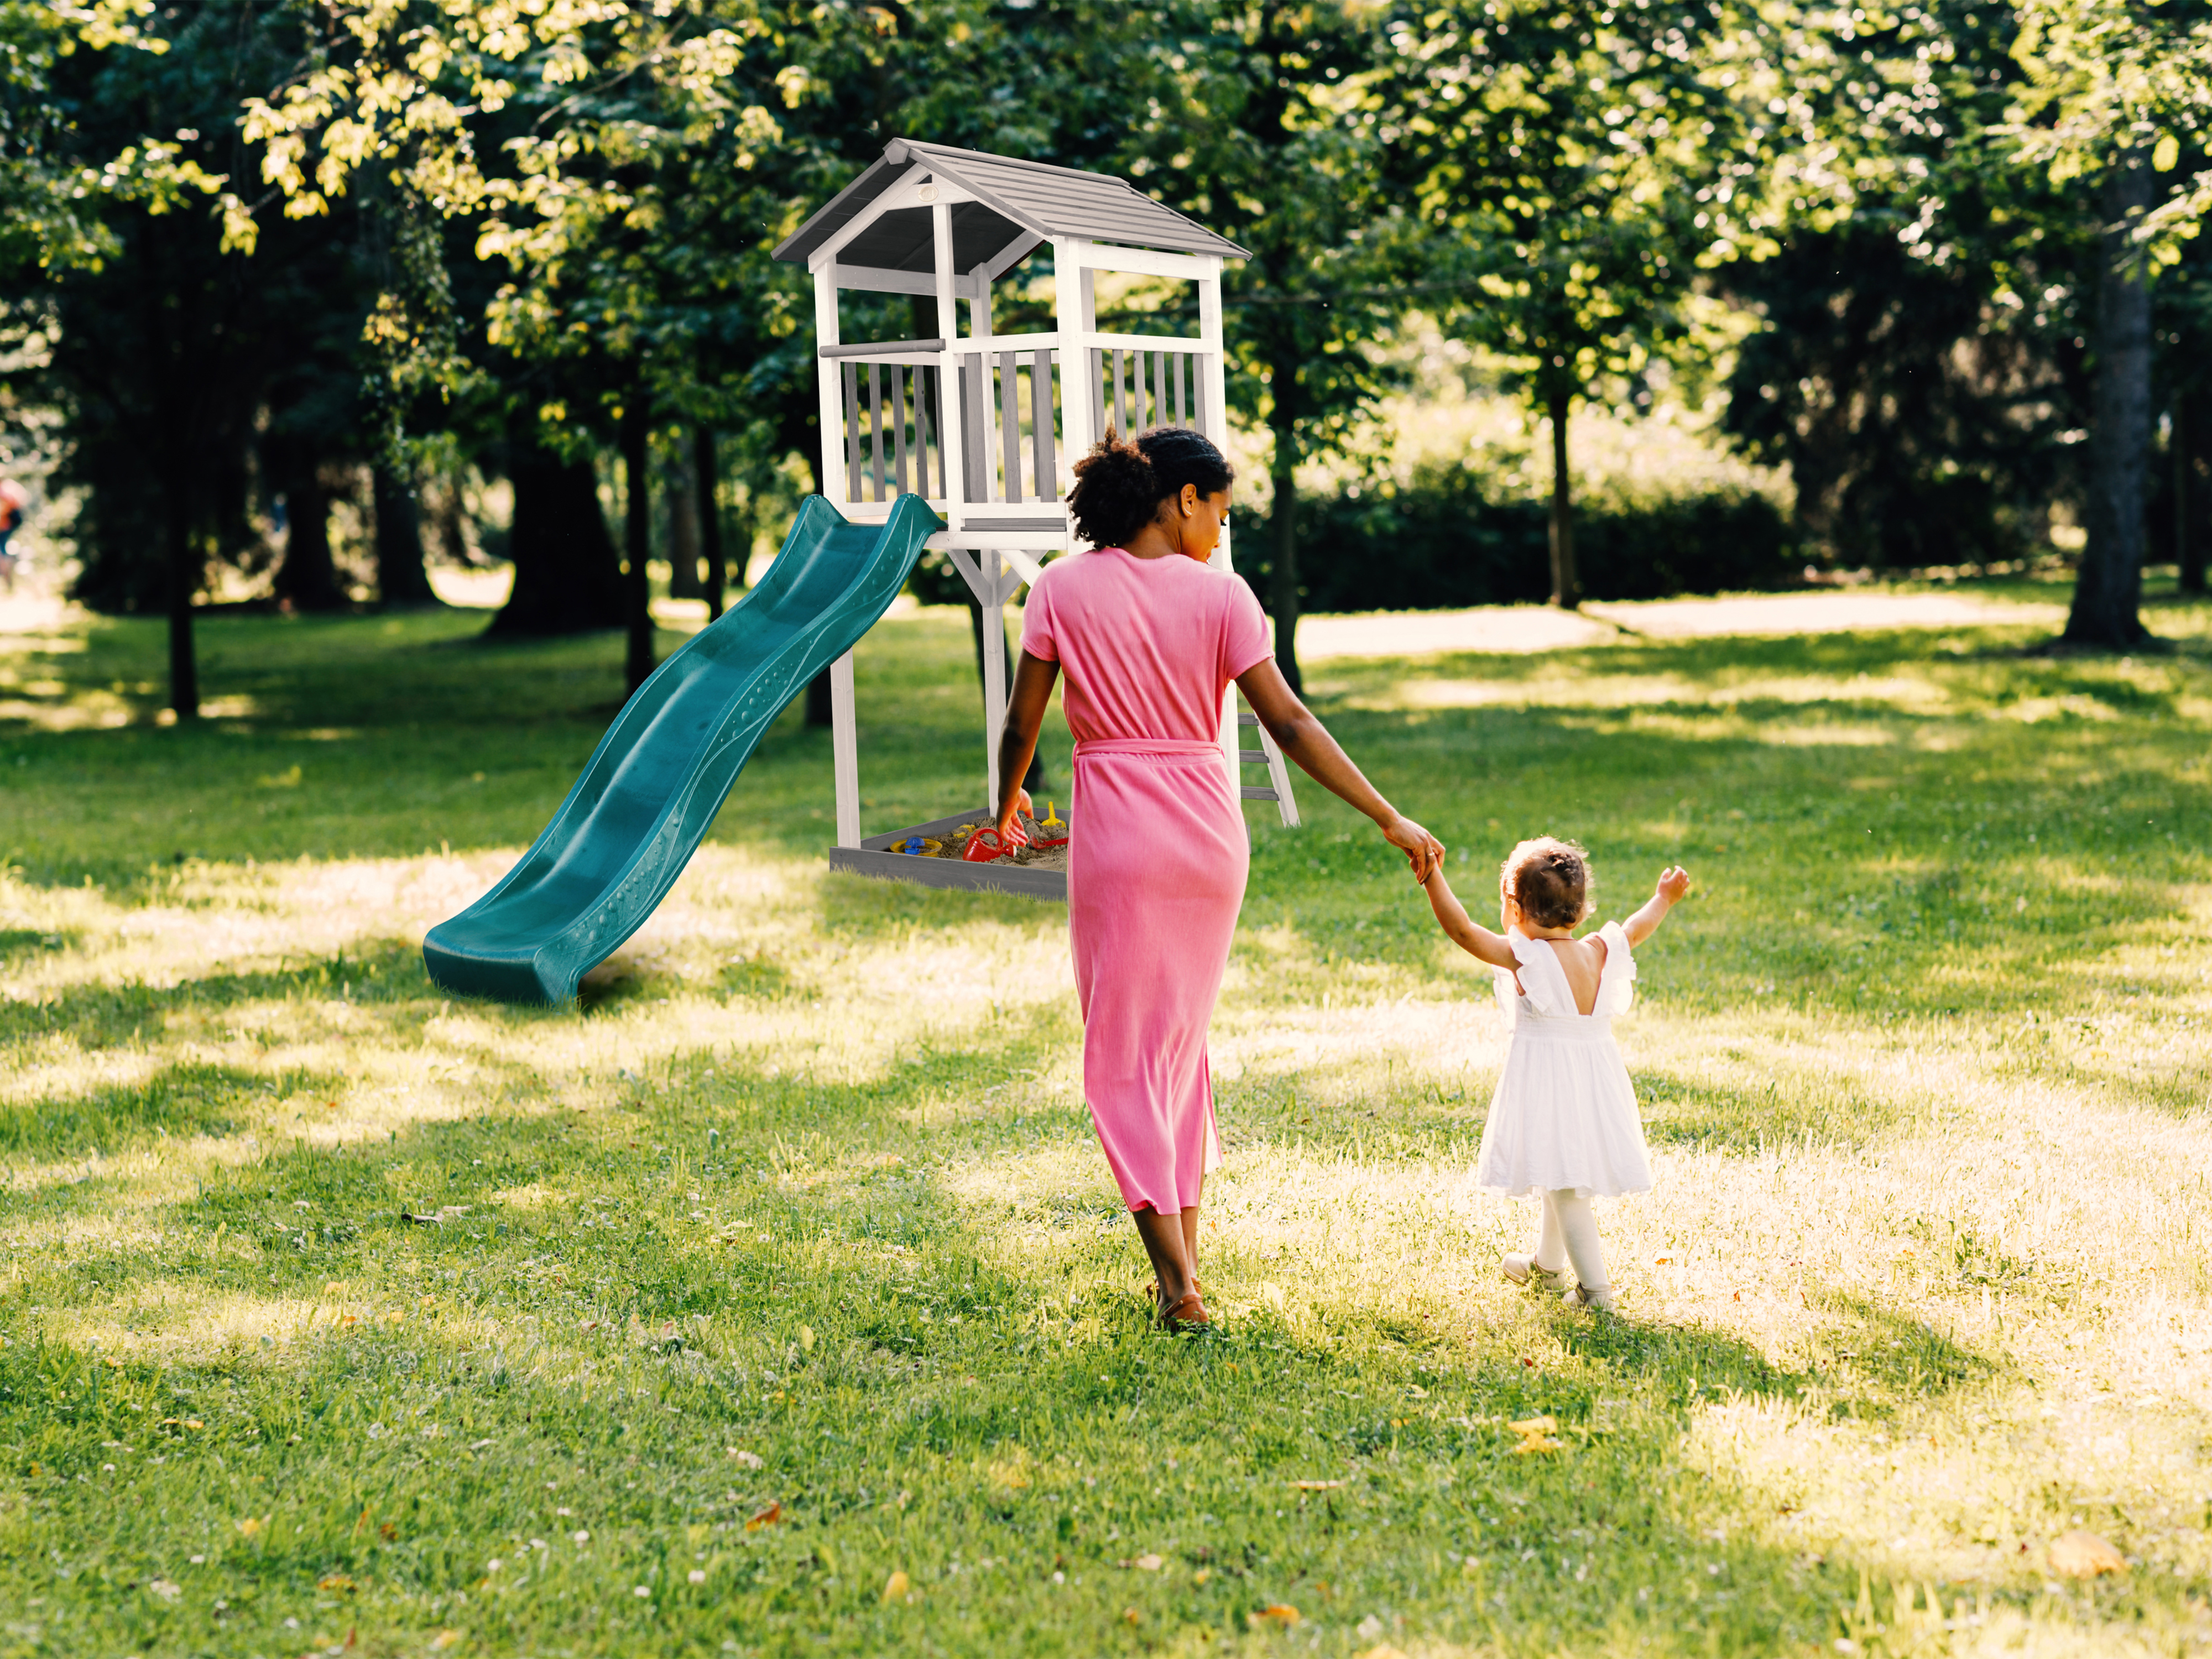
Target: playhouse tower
<point>983,425</point>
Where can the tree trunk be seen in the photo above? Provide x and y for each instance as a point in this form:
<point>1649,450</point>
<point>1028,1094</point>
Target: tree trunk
<point>307,580</point>
<point>184,574</point>
<point>567,579</point>
<point>682,496</point>
<point>1566,588</point>
<point>2190,437</point>
<point>2108,592</point>
<point>637,540</point>
<point>400,578</point>
<point>706,475</point>
<point>1282,519</point>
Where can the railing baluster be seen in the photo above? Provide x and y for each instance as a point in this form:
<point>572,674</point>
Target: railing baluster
<point>1009,423</point>
<point>975,416</point>
<point>1120,407</point>
<point>1042,473</point>
<point>876,426</point>
<point>925,399</point>
<point>1175,384</point>
<point>898,426</point>
<point>1098,382</point>
<point>852,432</point>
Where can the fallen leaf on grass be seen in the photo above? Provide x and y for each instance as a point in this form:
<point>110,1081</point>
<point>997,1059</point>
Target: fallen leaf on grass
<point>750,1459</point>
<point>1143,1563</point>
<point>444,1639</point>
<point>2084,1555</point>
<point>767,1518</point>
<point>251,1525</point>
<point>337,1581</point>
<point>168,1589</point>
<point>896,1586</point>
<point>1316,1486</point>
<point>1279,1613</point>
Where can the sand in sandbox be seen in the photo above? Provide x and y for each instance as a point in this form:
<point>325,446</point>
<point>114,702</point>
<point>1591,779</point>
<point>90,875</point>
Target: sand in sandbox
<point>1031,857</point>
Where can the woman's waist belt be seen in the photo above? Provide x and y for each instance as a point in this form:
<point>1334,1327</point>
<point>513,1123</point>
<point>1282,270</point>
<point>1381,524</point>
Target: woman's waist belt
<point>1166,748</point>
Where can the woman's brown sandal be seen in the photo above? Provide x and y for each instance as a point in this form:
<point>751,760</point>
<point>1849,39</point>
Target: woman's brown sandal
<point>1187,1314</point>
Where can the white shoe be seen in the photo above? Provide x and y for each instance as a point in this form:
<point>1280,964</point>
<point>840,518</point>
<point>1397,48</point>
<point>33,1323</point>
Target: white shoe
<point>1583,1297</point>
<point>1523,1268</point>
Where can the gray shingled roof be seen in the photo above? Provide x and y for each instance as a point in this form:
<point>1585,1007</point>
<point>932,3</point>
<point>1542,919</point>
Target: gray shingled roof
<point>1016,201</point>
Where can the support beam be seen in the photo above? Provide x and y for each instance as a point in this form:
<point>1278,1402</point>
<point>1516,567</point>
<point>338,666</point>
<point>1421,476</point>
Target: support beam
<point>845,750</point>
<point>995,676</point>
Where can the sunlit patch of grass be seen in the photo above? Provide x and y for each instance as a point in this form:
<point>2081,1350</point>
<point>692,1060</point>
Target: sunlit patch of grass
<point>789,1260</point>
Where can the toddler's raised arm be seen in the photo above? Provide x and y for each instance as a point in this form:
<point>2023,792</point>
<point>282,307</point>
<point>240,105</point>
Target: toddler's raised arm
<point>1471,936</point>
<point>1673,882</point>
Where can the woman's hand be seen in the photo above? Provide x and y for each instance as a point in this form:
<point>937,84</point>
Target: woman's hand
<point>1423,851</point>
<point>1010,828</point>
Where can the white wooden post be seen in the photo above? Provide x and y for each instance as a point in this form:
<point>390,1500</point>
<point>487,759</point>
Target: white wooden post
<point>995,672</point>
<point>831,387</point>
<point>845,750</point>
<point>1212,397</point>
<point>1069,281</point>
<point>950,439</point>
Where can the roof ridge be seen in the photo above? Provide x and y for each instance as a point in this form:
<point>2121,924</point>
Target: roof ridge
<point>918,145</point>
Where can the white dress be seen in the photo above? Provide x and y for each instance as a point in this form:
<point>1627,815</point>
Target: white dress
<point>1564,1113</point>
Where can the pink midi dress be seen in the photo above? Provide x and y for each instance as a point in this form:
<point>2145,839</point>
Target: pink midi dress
<point>1157,857</point>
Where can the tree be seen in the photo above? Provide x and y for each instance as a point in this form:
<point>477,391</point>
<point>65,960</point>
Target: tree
<point>159,344</point>
<point>1263,125</point>
<point>1571,162</point>
<point>2112,89</point>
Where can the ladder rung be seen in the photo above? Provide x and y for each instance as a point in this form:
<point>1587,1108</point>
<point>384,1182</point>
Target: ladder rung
<point>1248,720</point>
<point>1253,756</point>
<point>1250,793</point>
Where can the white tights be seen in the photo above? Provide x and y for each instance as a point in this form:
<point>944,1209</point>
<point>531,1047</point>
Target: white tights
<point>1570,1231</point>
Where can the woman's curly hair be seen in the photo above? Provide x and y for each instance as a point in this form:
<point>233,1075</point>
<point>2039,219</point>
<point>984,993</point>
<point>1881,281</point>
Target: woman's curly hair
<point>1120,484</point>
<point>1550,879</point>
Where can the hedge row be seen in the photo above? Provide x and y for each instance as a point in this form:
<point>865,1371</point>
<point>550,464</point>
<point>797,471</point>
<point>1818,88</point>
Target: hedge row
<point>1445,539</point>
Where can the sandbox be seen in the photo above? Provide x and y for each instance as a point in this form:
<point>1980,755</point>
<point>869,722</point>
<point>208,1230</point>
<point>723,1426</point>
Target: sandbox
<point>1037,872</point>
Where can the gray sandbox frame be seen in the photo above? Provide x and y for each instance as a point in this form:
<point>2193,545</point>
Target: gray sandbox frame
<point>873,857</point>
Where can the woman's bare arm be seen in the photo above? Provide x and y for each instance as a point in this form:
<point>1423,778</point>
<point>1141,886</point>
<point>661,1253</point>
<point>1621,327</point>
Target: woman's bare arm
<point>1306,740</point>
<point>1470,935</point>
<point>1034,679</point>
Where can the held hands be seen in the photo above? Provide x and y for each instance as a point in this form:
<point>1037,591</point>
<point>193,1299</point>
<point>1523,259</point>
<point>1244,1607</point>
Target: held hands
<point>1423,851</point>
<point>1674,884</point>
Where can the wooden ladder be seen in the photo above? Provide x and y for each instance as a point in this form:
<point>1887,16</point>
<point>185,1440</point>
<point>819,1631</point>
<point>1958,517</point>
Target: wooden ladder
<point>1278,786</point>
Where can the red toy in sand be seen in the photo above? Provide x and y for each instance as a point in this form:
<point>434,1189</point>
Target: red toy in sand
<point>984,845</point>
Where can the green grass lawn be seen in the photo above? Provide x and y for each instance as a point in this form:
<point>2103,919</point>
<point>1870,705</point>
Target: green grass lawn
<point>778,1301</point>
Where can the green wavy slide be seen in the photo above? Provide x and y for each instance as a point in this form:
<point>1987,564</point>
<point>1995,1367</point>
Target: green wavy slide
<point>658,777</point>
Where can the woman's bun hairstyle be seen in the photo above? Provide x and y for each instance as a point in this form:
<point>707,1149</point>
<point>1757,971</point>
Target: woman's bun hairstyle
<point>1120,484</point>
<point>1550,880</point>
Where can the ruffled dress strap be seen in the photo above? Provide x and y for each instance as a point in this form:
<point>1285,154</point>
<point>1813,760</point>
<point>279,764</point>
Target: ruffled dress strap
<point>1616,984</point>
<point>1543,982</point>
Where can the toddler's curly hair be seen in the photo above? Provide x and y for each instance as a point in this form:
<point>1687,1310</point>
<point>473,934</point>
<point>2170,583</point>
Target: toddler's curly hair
<point>1550,879</point>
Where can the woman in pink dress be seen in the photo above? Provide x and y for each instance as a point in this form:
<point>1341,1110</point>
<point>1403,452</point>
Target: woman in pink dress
<point>1150,638</point>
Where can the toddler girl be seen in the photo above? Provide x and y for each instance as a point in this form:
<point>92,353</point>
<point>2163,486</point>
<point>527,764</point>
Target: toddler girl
<point>1563,1123</point>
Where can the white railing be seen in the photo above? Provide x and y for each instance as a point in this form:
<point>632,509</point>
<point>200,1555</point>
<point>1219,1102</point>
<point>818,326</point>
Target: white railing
<point>889,442</point>
<point>1011,447</point>
<point>1145,382</point>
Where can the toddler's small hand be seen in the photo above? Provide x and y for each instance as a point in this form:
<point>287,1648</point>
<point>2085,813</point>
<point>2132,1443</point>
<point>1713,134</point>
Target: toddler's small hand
<point>1673,883</point>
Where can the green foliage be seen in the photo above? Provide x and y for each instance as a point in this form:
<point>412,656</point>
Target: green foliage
<point>1450,536</point>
